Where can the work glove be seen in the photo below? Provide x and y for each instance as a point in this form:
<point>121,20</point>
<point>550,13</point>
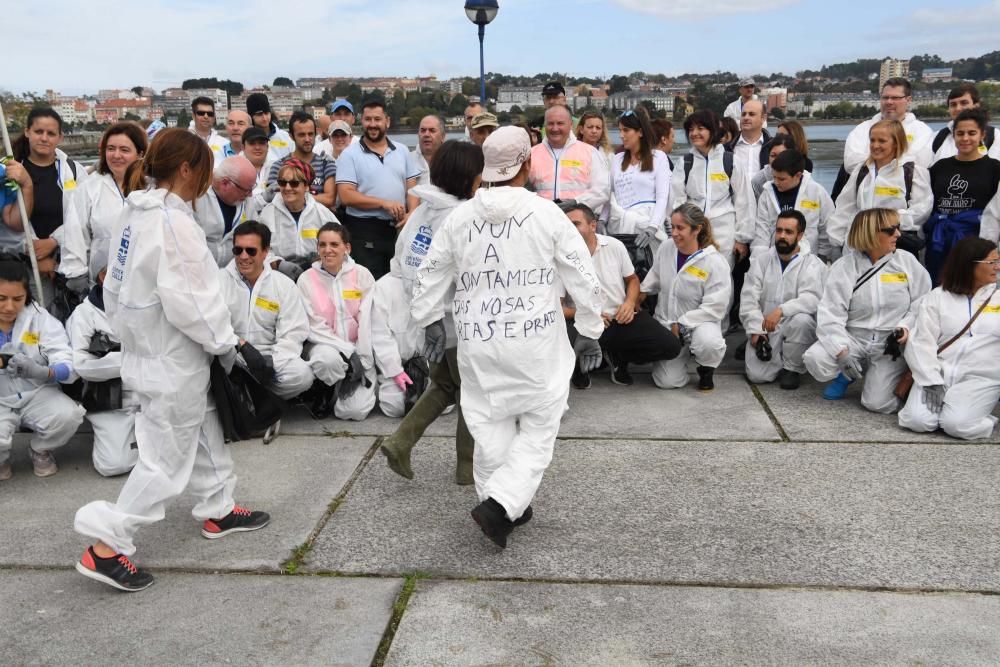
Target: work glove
<point>290,269</point>
<point>684,334</point>
<point>402,380</point>
<point>934,397</point>
<point>227,359</point>
<point>260,366</point>
<point>78,284</point>
<point>852,368</point>
<point>23,366</point>
<point>588,354</point>
<point>353,378</point>
<point>644,236</point>
<point>764,351</point>
<point>892,346</point>
<point>435,340</point>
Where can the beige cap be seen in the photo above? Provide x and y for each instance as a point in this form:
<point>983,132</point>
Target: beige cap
<point>485,119</point>
<point>504,151</point>
<point>339,125</point>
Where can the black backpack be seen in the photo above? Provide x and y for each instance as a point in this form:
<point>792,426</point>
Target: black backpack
<point>908,168</point>
<point>246,407</point>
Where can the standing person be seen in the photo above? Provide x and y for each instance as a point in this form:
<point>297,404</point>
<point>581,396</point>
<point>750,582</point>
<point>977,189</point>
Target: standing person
<point>665,138</point>
<point>691,279</point>
<point>255,150</point>
<point>203,125</point>
<point>954,347</point>
<point>515,365</point>
<point>172,323</point>
<point>792,188</point>
<point>323,145</point>
<point>640,183</point>
<point>322,184</point>
<point>225,205</point>
<point>294,219</point>
<point>431,135</point>
<point>373,181</point>
<point>963,96</point>
<point>455,177</point>
<point>553,94</point>
<point>483,125</point>
<point>471,111</point>
<point>794,129</point>
<point>591,129</point>
<point>965,190</point>
<point>778,305</point>
<point>343,111</point>
<point>869,299</point>
<point>564,168</point>
<point>41,359</point>
<point>774,148</point>
<point>748,92</point>
<point>96,206</point>
<point>237,122</point>
<point>747,147</point>
<point>279,142</point>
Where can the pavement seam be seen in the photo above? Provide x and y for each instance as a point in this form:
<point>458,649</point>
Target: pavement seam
<point>398,609</point>
<point>763,403</point>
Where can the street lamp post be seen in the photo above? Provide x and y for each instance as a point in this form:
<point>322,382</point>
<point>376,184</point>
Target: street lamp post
<point>481,12</point>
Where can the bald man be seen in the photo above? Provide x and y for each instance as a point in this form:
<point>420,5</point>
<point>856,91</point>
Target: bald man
<point>236,123</point>
<point>431,135</point>
<point>565,169</point>
<point>226,204</point>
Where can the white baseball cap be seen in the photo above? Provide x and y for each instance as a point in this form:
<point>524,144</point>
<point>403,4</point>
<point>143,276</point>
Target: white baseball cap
<point>504,152</point>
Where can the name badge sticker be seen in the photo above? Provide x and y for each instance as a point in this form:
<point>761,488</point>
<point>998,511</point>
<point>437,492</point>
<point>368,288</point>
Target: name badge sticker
<point>29,338</point>
<point>886,191</point>
<point>810,204</point>
<point>718,177</point>
<point>991,309</point>
<point>70,184</point>
<point>893,278</point>
<point>270,306</point>
<point>351,294</point>
<point>310,233</point>
<point>570,163</point>
<point>700,274</point>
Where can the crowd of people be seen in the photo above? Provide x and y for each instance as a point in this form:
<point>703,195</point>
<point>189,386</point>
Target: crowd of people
<point>489,276</point>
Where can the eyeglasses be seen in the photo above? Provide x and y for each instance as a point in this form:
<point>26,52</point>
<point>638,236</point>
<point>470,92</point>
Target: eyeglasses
<point>889,231</point>
<point>893,98</point>
<point>246,191</point>
<point>239,250</point>
<point>282,183</point>
<point>210,114</point>
<point>991,262</point>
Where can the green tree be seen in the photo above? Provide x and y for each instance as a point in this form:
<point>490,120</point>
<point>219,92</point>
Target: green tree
<point>137,90</point>
<point>283,81</point>
<point>618,84</point>
<point>777,112</point>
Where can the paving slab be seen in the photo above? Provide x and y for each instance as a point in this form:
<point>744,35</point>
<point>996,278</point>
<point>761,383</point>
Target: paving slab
<point>806,416</point>
<point>61,618</point>
<point>298,422</point>
<point>294,478</point>
<point>861,515</point>
<point>503,623</point>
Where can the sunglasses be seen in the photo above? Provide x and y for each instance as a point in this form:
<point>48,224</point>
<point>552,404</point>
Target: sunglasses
<point>889,231</point>
<point>205,113</point>
<point>239,250</point>
<point>626,114</point>
<point>282,183</point>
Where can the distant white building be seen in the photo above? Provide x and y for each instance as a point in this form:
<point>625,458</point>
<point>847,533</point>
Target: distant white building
<point>217,95</point>
<point>937,74</point>
<point>509,97</point>
<point>629,99</point>
<point>891,67</point>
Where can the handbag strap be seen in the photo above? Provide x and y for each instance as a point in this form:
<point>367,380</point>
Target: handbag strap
<point>869,274</point>
<point>968,324</point>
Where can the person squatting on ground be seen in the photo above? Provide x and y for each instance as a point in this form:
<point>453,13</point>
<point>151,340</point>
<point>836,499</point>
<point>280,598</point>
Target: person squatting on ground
<point>691,280</point>
<point>631,335</point>
<point>866,313</point>
<point>163,299</point>
<point>455,177</point>
<point>509,254</point>
<point>954,346</point>
<point>778,305</point>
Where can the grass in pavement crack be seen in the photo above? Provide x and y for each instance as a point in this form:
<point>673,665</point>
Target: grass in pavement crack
<point>397,614</point>
<point>774,420</point>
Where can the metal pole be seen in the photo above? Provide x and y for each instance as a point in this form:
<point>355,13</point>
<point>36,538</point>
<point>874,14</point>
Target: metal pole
<point>29,231</point>
<point>482,70</point>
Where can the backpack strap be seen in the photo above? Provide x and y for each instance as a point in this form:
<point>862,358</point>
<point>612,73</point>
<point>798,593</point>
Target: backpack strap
<point>939,139</point>
<point>727,166</point>
<point>862,174</point>
<point>908,168</point>
<point>991,135</point>
<point>688,166</point>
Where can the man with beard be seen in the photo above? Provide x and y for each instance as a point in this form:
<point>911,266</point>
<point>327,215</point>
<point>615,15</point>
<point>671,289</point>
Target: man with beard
<point>374,177</point>
<point>322,187</point>
<point>432,135</point>
<point>778,304</point>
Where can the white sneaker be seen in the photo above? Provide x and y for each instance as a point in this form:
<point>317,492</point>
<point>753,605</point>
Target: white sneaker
<point>6,472</point>
<point>44,463</point>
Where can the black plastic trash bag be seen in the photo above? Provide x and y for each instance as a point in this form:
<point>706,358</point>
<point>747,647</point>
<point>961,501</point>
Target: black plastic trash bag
<point>246,407</point>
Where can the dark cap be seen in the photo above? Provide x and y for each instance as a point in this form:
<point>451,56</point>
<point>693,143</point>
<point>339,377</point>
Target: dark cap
<point>553,88</point>
<point>254,134</point>
<point>257,102</point>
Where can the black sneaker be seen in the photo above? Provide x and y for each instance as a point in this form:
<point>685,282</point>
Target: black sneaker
<point>524,518</point>
<point>240,520</point>
<point>117,571</point>
<point>580,380</point>
<point>620,374</point>
<point>492,519</point>
<point>705,381</point>
<point>319,400</point>
<point>741,352</point>
<point>789,379</point>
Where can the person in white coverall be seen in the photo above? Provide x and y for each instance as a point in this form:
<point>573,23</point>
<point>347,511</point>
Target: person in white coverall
<point>337,293</point>
<point>39,359</point>
<point>894,104</point>
<point>778,303</point>
<point>225,205</point>
<point>691,278</point>
<point>395,340</point>
<point>791,188</point>
<point>163,299</point>
<point>870,296</point>
<point>509,255</point>
<point>957,388</point>
<point>115,451</point>
<point>295,218</point>
<point>266,309</point>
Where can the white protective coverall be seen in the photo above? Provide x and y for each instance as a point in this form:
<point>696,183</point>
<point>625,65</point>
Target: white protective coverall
<point>395,339</point>
<point>42,407</point>
<point>812,201</point>
<point>861,321</point>
<point>114,430</point>
<point>209,216</point>
<point>883,188</point>
<point>967,369</point>
<point>339,308</point>
<point>725,201</point>
<point>291,240</point>
<point>87,227</point>
<point>271,317</point>
<point>918,138</point>
<point>796,290</point>
<point>163,299</point>
<point>506,251</point>
<point>697,297</point>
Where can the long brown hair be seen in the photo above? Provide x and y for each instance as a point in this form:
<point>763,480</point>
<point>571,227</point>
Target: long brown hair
<point>135,134</point>
<point>638,119</point>
<point>797,132</point>
<point>170,149</point>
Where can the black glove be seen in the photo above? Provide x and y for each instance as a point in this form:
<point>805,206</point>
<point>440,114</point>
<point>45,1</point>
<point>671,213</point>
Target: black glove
<point>290,269</point>
<point>354,377</point>
<point>435,341</point>
<point>892,346</point>
<point>260,367</point>
<point>764,351</point>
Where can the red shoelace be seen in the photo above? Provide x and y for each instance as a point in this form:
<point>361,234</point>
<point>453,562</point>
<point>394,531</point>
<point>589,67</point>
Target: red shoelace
<point>127,563</point>
<point>242,511</point>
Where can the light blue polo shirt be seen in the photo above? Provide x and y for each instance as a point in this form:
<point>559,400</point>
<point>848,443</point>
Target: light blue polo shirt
<point>383,177</point>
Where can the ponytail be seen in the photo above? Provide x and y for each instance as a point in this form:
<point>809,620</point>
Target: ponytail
<point>135,177</point>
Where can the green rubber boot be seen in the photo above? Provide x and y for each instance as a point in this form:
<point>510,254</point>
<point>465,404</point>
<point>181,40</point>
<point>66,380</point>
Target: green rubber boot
<point>464,449</point>
<point>397,456</point>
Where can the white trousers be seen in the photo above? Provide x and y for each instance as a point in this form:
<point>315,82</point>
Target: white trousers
<point>391,400</point>
<point>326,363</point>
<point>358,405</point>
<point>789,343</point>
<point>881,373</point>
<point>114,435</point>
<point>52,415</point>
<point>966,412</point>
<point>512,451</point>
<point>180,447</point>
<point>292,376</point>
<point>708,348</point>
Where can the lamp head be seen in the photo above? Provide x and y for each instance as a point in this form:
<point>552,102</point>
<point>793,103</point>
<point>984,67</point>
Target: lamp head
<point>481,12</point>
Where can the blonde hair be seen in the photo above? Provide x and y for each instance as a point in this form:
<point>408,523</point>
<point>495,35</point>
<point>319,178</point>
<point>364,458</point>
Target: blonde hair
<point>898,134</point>
<point>695,218</point>
<point>864,234</point>
<point>604,143</point>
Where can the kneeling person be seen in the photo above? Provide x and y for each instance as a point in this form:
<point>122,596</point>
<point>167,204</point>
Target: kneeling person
<point>778,304</point>
<point>266,310</point>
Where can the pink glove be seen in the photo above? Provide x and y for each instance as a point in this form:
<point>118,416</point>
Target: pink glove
<point>402,380</point>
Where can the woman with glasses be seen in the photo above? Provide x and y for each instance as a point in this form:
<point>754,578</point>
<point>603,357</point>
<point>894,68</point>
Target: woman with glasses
<point>295,218</point>
<point>640,182</point>
<point>955,343</point>
<point>866,313</point>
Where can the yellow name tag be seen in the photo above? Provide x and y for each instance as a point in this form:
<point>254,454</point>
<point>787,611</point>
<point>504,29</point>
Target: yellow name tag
<point>991,309</point>
<point>810,204</point>
<point>982,149</point>
<point>29,338</point>
<point>893,278</point>
<point>883,191</point>
<point>909,138</point>
<point>719,177</point>
<point>700,274</point>
<point>279,143</point>
<point>571,163</point>
<point>351,294</point>
<point>266,305</point>
<point>310,233</point>
<point>69,185</point>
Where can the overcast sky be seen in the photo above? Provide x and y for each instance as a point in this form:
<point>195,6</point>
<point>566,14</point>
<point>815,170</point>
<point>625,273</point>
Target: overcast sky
<point>78,47</point>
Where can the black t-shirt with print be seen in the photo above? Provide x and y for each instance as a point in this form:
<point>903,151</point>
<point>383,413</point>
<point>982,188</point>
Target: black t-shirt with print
<point>961,186</point>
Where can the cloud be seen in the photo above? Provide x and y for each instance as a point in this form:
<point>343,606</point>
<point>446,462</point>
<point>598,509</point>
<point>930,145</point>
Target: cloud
<point>950,32</point>
<point>699,9</point>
